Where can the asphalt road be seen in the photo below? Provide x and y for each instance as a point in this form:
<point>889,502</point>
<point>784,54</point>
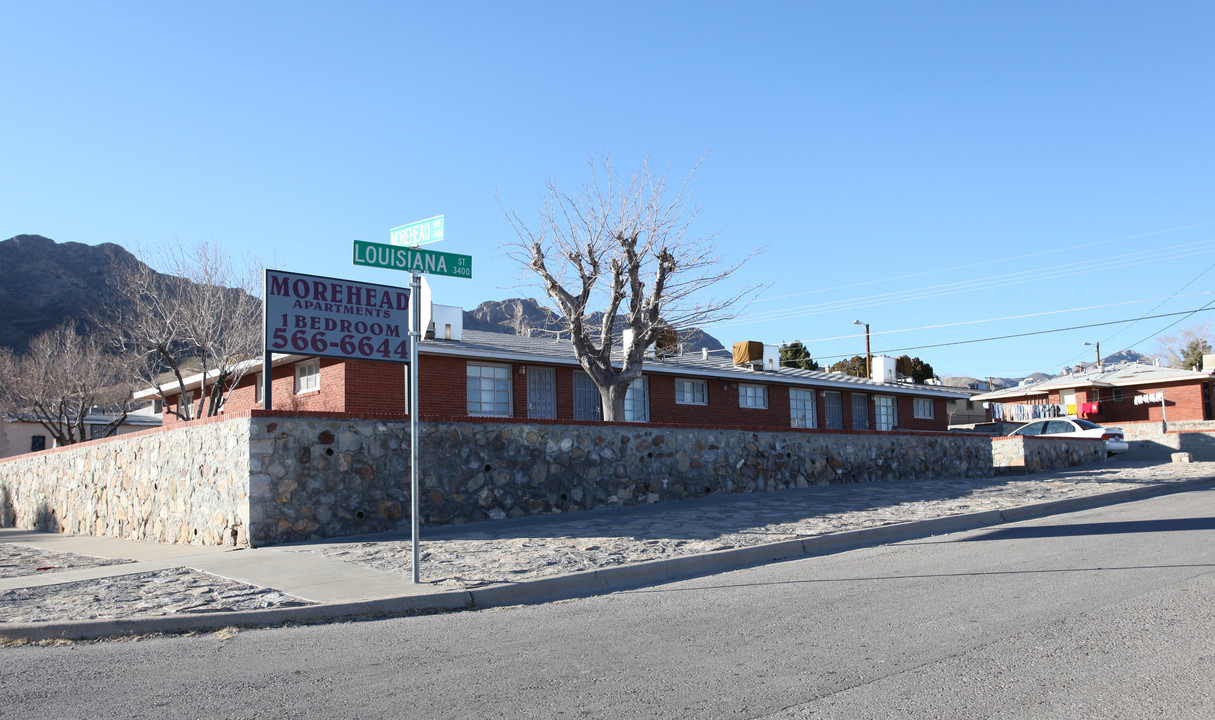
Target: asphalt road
<point>1106,613</point>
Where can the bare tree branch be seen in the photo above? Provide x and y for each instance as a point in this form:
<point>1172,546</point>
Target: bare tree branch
<point>656,272</point>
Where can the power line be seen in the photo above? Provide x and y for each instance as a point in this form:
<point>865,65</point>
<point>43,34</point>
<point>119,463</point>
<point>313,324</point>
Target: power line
<point>1036,332</point>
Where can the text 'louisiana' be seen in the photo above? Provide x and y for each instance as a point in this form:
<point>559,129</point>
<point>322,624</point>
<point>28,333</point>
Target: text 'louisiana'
<point>398,257</point>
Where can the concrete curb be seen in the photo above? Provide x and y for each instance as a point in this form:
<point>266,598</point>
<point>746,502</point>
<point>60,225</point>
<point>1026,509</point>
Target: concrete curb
<point>590,582</point>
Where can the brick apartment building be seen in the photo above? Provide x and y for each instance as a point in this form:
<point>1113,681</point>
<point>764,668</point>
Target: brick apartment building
<point>484,374</point>
<point>1121,393</point>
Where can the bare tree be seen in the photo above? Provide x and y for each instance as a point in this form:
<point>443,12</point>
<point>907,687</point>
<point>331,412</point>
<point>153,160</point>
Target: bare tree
<point>625,249</point>
<point>1186,348</point>
<point>59,380</point>
<point>201,316</point>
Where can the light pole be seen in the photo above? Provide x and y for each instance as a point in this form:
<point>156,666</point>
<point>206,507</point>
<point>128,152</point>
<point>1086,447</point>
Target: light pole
<point>1098,353</point>
<point>868,360</point>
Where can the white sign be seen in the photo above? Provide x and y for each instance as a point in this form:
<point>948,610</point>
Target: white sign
<point>311,315</point>
<point>417,233</point>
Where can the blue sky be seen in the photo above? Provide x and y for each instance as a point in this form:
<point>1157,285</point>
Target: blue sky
<point>906,164</point>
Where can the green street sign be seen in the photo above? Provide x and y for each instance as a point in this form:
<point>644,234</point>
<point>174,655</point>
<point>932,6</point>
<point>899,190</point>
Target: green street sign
<point>418,233</point>
<point>393,257</point>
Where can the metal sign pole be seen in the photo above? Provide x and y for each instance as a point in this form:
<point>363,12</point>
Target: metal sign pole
<point>415,336</point>
<point>267,403</point>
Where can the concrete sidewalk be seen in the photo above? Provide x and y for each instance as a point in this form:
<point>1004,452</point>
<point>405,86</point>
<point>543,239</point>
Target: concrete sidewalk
<point>550,557</point>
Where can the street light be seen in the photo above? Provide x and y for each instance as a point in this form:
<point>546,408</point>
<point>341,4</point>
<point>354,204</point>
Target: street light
<point>868,361</point>
<point>1098,353</point>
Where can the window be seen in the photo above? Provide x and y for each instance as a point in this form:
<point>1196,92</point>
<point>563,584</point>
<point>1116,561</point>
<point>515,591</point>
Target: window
<point>753,396</point>
<point>637,401</point>
<point>489,390</point>
<point>833,410</point>
<point>187,405</point>
<point>691,392</point>
<point>588,404</point>
<point>860,411</point>
<point>259,389</point>
<point>1115,394</point>
<point>37,443</point>
<point>885,414</point>
<point>925,408</point>
<point>801,409</point>
<point>307,376</point>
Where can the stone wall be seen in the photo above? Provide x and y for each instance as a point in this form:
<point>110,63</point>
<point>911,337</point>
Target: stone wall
<point>277,477</point>
<point>1020,454</point>
<point>313,476</point>
<point>187,485</point>
<point>1151,440</point>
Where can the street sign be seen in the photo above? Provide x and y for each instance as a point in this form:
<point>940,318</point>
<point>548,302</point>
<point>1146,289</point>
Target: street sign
<point>393,257</point>
<point>417,233</point>
<point>311,315</point>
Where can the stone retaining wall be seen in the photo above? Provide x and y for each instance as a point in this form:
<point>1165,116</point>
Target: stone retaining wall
<point>188,485</point>
<point>267,478</point>
<point>1021,454</point>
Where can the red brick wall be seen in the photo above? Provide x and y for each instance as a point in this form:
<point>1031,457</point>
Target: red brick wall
<point>375,387</point>
<point>1183,401</point>
<point>364,387</point>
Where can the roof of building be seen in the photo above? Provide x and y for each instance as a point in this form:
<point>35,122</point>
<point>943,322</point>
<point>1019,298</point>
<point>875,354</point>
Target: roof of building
<point>521,348</point>
<point>1126,374</point>
<point>501,346</point>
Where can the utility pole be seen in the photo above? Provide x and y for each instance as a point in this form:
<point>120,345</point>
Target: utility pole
<point>868,356</point>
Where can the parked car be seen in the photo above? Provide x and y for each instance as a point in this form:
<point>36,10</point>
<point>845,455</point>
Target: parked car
<point>1077,427</point>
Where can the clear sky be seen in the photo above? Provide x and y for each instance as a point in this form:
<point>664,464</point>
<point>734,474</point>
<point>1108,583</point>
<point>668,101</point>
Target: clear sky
<point>906,164</point>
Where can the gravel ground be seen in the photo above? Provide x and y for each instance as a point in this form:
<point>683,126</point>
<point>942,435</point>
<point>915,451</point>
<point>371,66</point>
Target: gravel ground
<point>510,552</point>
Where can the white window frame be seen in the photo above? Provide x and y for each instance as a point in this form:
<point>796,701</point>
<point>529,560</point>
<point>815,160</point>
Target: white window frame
<point>186,405</point>
<point>753,397</point>
<point>259,388</point>
<point>637,401</point>
<point>691,392</point>
<point>885,412</point>
<point>803,411</point>
<point>503,403</point>
<point>308,376</point>
<point>918,405</point>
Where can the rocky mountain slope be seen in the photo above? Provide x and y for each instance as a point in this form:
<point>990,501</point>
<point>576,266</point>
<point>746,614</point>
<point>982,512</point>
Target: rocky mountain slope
<point>43,283</point>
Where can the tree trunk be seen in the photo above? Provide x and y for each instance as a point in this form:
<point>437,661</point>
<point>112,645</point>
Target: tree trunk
<point>613,402</point>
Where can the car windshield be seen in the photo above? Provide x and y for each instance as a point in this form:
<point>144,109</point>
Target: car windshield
<point>1086,424</point>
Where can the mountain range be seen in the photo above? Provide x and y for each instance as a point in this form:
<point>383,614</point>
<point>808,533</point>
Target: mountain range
<point>43,283</point>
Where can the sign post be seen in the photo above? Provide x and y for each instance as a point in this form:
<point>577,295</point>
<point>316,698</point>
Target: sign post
<point>403,254</point>
<point>415,337</point>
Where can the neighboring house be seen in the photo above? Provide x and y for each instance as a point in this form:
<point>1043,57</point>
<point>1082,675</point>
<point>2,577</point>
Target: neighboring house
<point>485,374</point>
<point>23,434</point>
<point>965,411</point>
<point>1125,392</point>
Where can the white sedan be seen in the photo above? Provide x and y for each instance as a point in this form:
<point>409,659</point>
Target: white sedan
<point>1077,427</point>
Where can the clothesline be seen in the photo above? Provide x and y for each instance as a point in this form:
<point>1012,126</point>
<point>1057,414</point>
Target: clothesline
<point>1025,412</point>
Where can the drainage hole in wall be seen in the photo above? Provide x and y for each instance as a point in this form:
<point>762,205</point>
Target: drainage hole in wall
<point>359,515</point>
<point>488,468</point>
<point>328,451</point>
<point>708,489</point>
<point>563,497</point>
